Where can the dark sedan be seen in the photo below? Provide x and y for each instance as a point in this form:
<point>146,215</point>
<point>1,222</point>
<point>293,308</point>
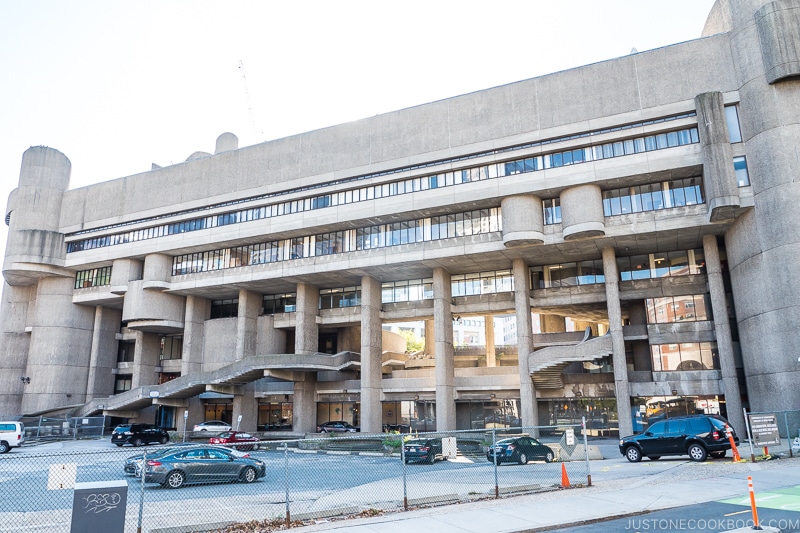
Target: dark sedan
<point>336,427</point>
<point>422,451</point>
<point>202,464</point>
<point>519,450</point>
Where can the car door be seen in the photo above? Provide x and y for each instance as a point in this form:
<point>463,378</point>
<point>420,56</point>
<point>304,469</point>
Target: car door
<point>193,464</point>
<point>675,437</point>
<point>220,466</point>
<point>653,441</point>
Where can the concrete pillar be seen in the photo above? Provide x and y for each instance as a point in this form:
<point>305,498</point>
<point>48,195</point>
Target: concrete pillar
<point>146,359</point>
<point>269,340</point>
<point>123,271</point>
<point>719,179</point>
<point>722,327</point>
<point>522,304</point>
<point>198,310</point>
<point>246,405</point>
<point>523,220</point>
<point>60,347</point>
<point>305,404</point>
<point>444,352</point>
<point>14,345</point>
<point>582,212</point>
<point>488,324</point>
<point>553,323</point>
<point>306,332</point>
<point>430,344</point>
<point>247,323</point>
<point>157,271</point>
<point>103,357</point>
<point>371,348</point>
<point>226,142</point>
<point>617,342</point>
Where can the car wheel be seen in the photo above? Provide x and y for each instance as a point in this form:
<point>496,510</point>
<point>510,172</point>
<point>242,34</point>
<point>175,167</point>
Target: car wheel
<point>175,479</point>
<point>249,475</point>
<point>633,454</point>
<point>548,458</point>
<point>119,445</point>
<point>4,447</point>
<point>523,459</point>
<point>718,455</point>
<point>164,440</point>
<point>430,459</point>
<point>407,461</point>
<point>654,457</point>
<point>495,460</point>
<point>138,442</point>
<point>697,453</point>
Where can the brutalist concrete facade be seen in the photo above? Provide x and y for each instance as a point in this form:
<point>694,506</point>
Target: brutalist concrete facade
<point>511,183</point>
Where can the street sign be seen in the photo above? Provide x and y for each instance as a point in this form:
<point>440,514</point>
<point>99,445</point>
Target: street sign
<point>570,434</point>
<point>185,414</point>
<point>765,429</point>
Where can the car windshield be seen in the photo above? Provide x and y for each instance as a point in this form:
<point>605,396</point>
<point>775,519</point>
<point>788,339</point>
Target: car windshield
<point>122,429</point>
<point>506,442</point>
<point>415,442</point>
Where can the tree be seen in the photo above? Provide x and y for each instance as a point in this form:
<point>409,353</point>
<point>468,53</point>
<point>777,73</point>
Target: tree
<point>413,343</point>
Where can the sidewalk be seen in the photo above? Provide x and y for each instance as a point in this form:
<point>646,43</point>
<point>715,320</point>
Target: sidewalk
<point>686,484</point>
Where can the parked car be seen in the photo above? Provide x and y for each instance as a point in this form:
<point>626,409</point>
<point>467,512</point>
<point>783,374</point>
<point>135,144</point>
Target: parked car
<point>12,435</point>
<point>336,427</point>
<point>213,426</point>
<point>236,439</point>
<point>697,436</point>
<point>202,464</point>
<point>423,451</point>
<point>519,450</point>
<point>139,434</point>
<point>133,464</point>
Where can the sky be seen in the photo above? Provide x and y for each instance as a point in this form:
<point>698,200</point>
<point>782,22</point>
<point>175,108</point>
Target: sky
<point>117,86</point>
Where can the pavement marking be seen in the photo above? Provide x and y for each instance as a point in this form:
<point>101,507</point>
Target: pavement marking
<point>787,499</point>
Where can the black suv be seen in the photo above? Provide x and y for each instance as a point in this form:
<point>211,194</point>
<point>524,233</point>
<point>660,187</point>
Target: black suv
<point>139,434</point>
<point>697,436</point>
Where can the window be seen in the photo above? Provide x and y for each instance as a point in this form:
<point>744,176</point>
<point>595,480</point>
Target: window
<point>732,118</point>
<point>122,383</point>
<point>94,277</point>
<point>740,170</point>
<point>225,308</point>
<point>279,303</point>
<point>171,347</point>
<point>552,211</point>
<point>126,351</point>
<point>688,356</point>
<point>668,309</point>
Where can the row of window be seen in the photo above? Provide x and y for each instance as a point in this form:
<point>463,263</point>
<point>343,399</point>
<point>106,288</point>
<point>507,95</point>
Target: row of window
<point>669,309</point>
<point>653,197</point>
<point>368,193</point>
<point>685,356</point>
<point>427,229</point>
<point>94,277</point>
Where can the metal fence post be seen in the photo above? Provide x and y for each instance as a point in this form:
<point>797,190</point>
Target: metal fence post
<point>494,462</point>
<point>403,461</point>
<point>788,435</point>
<point>586,451</point>
<point>286,482</point>
<point>141,493</point>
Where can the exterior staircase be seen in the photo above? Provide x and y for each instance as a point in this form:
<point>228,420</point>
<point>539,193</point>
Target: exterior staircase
<point>547,365</point>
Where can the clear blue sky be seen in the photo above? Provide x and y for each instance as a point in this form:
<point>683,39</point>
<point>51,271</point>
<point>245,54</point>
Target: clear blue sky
<point>117,86</point>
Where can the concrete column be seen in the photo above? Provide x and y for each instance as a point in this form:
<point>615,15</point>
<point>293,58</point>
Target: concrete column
<point>522,304</point>
<point>523,220</point>
<point>157,271</point>
<point>488,324</point>
<point>371,348</point>
<point>123,271</point>
<point>146,359</point>
<point>14,345</point>
<point>198,310</point>
<point>103,357</point>
<point>617,342</point>
<point>306,332</point>
<point>722,327</point>
<point>246,405</point>
<point>60,347</point>
<point>444,352</point>
<point>269,340</point>
<point>247,323</point>
<point>305,404</point>
<point>719,179</point>
<point>582,212</point>
<point>430,344</point>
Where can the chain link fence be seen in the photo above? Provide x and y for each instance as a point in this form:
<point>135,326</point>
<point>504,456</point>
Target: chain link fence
<point>48,428</point>
<point>788,425</point>
<point>193,487</point>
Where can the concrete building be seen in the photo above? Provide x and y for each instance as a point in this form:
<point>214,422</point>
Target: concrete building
<point>640,210</point>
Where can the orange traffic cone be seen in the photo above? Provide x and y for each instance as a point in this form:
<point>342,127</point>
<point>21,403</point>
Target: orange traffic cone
<point>564,476</point>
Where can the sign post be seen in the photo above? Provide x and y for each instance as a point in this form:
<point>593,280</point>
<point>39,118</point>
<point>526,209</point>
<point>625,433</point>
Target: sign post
<point>238,421</point>
<point>185,416</point>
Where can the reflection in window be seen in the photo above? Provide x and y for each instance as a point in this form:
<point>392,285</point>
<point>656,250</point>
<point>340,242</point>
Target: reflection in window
<point>412,290</point>
<point>688,308</point>
<point>340,297</point>
<point>568,274</point>
<point>732,118</point>
<point>685,357</point>
<point>171,347</point>
<point>279,303</point>
<point>677,263</point>
<point>482,283</point>
<point>653,197</point>
<point>552,211</point>
<point>740,170</point>
<point>94,277</point>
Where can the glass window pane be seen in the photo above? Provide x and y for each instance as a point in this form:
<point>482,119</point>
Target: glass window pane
<point>732,118</point>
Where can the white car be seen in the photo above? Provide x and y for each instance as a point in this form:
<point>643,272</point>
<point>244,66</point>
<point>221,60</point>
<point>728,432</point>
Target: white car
<point>213,426</point>
<point>12,434</point>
